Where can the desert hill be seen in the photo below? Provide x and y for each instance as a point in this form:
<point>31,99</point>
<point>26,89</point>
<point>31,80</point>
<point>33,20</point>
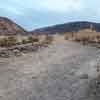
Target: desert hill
<point>69,27</point>
<point>8,27</point>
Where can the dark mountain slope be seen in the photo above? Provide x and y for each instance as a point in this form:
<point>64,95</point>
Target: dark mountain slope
<point>69,27</point>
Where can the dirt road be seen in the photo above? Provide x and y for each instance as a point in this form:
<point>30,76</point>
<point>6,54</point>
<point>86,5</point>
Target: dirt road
<point>61,72</point>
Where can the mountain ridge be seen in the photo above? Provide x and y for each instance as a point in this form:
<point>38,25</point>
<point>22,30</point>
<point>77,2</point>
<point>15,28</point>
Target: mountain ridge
<point>9,27</point>
<point>69,27</point>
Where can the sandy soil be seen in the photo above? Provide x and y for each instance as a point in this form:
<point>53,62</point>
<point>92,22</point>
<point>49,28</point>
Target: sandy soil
<point>54,73</point>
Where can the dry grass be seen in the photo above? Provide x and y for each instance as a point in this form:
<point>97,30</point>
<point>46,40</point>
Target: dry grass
<point>6,41</point>
<point>48,39</point>
<point>91,37</point>
<point>86,36</point>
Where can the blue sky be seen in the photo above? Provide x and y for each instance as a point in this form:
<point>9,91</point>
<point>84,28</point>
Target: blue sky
<point>32,14</point>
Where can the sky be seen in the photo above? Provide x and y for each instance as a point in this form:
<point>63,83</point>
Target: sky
<point>33,14</point>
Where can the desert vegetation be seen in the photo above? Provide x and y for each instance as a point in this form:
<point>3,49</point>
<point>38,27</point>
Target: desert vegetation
<point>48,39</point>
<point>69,35</point>
<point>30,39</point>
<point>33,39</point>
<point>88,39</point>
<point>84,36</point>
<point>8,41</point>
<point>14,45</point>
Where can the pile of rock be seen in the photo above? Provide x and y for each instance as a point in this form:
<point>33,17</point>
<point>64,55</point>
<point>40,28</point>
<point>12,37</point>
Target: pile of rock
<point>4,53</point>
<point>18,50</point>
<point>8,53</point>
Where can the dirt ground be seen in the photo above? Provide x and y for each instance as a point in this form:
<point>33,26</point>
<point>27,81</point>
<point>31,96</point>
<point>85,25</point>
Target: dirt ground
<point>63,71</point>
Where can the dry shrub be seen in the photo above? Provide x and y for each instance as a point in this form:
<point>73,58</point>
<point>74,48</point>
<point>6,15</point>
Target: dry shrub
<point>48,39</point>
<point>66,37</point>
<point>3,42</point>
<point>24,41</point>
<point>77,39</point>
<point>33,39</point>
<point>12,40</point>
<point>8,41</point>
<point>30,39</point>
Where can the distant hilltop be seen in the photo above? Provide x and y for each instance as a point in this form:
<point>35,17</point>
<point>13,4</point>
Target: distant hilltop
<point>8,27</point>
<point>70,27</point>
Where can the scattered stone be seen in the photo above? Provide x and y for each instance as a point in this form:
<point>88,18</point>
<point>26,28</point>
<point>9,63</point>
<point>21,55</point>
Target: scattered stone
<point>84,76</point>
<point>17,52</point>
<point>34,77</point>
<point>4,54</point>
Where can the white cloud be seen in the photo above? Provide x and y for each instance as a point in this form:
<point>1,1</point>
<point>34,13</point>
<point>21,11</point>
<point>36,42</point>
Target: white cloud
<point>50,11</point>
<point>58,5</point>
<point>15,7</point>
<point>14,11</point>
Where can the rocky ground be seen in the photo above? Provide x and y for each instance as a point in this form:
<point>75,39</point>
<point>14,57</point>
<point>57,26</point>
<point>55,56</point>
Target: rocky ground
<point>63,71</point>
<point>19,50</point>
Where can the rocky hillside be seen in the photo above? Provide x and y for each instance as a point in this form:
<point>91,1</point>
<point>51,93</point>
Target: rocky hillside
<point>69,27</point>
<point>8,27</point>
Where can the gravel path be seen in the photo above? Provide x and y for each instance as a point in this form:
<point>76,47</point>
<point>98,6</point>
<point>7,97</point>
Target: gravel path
<point>61,72</point>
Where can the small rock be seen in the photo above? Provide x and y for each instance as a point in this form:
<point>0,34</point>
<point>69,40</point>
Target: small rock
<point>84,76</point>
<point>4,54</point>
<point>16,52</point>
<point>34,77</point>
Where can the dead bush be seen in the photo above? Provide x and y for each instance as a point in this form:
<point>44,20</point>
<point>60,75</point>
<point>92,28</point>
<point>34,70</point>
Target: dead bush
<point>48,39</point>
<point>8,41</point>
<point>33,39</point>
<point>66,37</point>
<point>25,41</point>
<point>11,40</point>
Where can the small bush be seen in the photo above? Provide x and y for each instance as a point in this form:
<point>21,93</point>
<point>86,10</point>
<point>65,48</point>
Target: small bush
<point>48,39</point>
<point>77,40</point>
<point>98,37</point>
<point>11,40</point>
<point>8,41</point>
<point>66,37</point>
<point>32,39</point>
<point>24,41</point>
<point>85,39</point>
<point>3,42</point>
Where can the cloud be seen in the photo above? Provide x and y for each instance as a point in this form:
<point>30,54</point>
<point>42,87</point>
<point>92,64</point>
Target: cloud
<point>16,7</point>
<point>47,12</point>
<point>59,5</point>
<point>20,7</point>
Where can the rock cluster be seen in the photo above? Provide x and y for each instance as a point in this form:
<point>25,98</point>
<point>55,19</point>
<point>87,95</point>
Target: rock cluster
<point>20,49</point>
